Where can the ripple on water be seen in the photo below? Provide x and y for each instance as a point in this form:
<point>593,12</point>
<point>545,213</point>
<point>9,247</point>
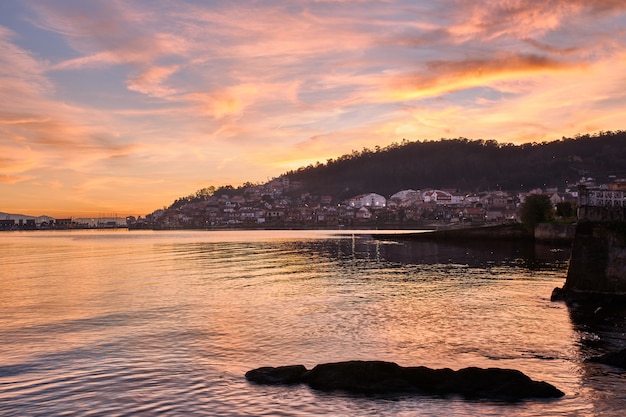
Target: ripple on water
<point>124,324</point>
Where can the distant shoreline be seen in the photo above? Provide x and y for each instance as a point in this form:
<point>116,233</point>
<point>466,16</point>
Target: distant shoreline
<point>507,231</point>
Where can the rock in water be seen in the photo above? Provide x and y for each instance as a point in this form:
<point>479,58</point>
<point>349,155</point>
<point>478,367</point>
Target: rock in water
<point>498,383</point>
<point>291,374</point>
<point>379,377</point>
<point>359,376</point>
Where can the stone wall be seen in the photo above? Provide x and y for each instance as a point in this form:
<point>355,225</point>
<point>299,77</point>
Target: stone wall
<point>550,232</point>
<point>598,260</point>
<point>602,213</point>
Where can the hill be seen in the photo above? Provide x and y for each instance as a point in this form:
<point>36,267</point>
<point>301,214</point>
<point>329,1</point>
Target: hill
<point>468,165</point>
<point>461,164</point>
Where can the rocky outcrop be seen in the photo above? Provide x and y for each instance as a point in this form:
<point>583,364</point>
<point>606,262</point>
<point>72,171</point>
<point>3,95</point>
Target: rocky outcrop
<point>378,377</point>
<point>617,359</point>
<point>280,375</point>
<point>597,269</point>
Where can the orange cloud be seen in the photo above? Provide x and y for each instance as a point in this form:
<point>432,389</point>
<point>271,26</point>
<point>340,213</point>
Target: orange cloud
<point>446,76</point>
<point>10,179</point>
<point>547,107</point>
<point>229,101</point>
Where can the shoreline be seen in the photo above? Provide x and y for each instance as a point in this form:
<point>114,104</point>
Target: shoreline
<point>501,231</point>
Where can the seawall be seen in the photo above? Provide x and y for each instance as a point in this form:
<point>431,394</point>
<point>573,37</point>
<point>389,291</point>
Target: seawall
<point>602,214</point>
<point>551,232</point>
<point>495,232</point>
<point>544,232</point>
<point>597,268</point>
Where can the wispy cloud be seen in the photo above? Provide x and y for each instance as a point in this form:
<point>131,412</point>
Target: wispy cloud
<point>153,82</point>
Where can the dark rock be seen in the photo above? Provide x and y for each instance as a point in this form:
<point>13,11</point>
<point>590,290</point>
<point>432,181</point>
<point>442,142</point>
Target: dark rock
<point>590,300</point>
<point>378,377</point>
<point>291,374</point>
<point>498,383</point>
<point>557,294</point>
<point>617,359</point>
<point>359,376</point>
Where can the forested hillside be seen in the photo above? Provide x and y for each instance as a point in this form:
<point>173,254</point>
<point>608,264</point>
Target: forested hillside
<point>468,165</point>
<point>461,164</point>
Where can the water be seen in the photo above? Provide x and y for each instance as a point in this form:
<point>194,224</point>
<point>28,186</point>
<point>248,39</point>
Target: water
<point>118,323</point>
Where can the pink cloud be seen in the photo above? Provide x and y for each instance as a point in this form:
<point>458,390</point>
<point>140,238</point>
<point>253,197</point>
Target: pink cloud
<point>523,18</point>
<point>152,81</point>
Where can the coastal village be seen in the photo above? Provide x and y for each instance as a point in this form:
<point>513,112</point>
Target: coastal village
<point>271,206</point>
<point>281,203</point>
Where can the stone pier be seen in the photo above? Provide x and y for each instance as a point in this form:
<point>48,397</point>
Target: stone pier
<point>597,268</point>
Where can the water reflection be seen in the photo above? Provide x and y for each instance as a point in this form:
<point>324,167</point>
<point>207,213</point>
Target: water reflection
<point>600,330</point>
<point>167,323</point>
<point>480,254</point>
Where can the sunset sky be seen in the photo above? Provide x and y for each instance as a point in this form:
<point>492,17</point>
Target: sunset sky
<point>120,107</point>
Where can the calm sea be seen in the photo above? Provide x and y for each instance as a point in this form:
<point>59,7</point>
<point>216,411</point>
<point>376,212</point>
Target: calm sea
<point>143,323</point>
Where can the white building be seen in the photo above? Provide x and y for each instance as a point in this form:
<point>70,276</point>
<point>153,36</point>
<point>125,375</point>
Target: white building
<point>600,197</point>
<point>403,195</point>
<point>438,196</point>
<point>371,200</point>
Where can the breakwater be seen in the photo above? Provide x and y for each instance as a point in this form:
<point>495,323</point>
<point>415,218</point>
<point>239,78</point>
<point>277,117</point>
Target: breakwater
<point>597,268</point>
<point>544,232</point>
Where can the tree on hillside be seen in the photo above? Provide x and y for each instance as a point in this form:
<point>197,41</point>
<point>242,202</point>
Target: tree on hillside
<point>537,208</point>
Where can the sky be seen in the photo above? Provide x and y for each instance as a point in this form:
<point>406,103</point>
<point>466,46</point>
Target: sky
<point>120,107</point>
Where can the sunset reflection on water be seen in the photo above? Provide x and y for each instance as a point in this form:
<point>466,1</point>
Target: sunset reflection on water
<point>168,322</point>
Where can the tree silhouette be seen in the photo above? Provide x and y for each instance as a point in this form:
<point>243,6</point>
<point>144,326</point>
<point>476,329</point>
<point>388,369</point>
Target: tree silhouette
<point>536,208</point>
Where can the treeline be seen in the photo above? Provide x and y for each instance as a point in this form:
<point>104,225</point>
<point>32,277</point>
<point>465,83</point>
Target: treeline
<point>468,165</point>
<point>205,193</point>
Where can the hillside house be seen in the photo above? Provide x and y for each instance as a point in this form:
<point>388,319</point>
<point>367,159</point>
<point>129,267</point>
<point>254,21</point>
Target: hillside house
<point>238,200</point>
<point>472,214</point>
<point>248,215</point>
<point>555,199</point>
<point>274,215</point>
<point>439,197</point>
<point>363,214</point>
<point>457,199</point>
<point>472,199</point>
